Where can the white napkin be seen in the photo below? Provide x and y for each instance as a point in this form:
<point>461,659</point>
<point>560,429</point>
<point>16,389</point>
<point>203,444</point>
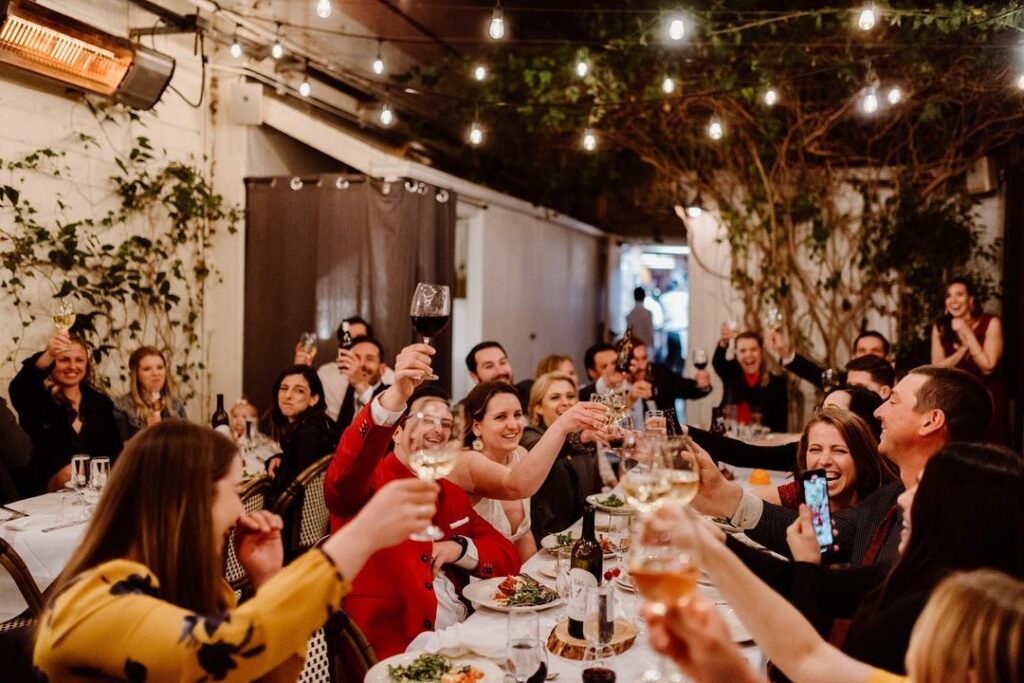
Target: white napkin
<point>33,522</point>
<point>463,639</point>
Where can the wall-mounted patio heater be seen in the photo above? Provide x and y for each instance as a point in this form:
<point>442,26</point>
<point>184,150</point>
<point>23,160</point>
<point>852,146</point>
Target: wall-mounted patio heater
<point>40,40</point>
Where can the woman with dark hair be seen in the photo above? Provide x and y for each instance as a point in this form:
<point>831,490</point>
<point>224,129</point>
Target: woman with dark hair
<point>62,413</point>
<point>839,442</point>
<point>143,597</point>
<point>965,338</point>
<point>497,473</point>
<point>747,383</point>
<point>150,397</point>
<point>299,423</point>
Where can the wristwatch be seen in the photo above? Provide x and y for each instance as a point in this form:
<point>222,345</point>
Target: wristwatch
<point>463,543</point>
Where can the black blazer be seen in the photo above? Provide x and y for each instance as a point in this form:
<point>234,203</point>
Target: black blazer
<point>15,452</point>
<point>772,400</point>
<point>347,413</point>
<point>305,442</point>
<point>668,386</point>
<point>742,454</point>
<point>48,424</point>
<point>806,369</point>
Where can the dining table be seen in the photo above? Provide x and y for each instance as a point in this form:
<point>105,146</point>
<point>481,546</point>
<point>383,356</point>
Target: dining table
<point>483,634</point>
<point>45,550</point>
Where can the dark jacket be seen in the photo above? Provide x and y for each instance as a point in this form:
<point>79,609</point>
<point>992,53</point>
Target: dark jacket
<point>347,412</point>
<point>772,399</point>
<point>48,424</point>
<point>309,439</point>
<point>806,369</point>
<point>15,452</point>
<point>742,454</point>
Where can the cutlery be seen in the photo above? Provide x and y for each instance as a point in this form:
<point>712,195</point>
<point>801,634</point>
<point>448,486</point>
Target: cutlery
<point>64,525</point>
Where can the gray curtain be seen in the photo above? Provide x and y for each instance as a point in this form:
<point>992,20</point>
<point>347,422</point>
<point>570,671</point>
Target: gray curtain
<point>339,245</point>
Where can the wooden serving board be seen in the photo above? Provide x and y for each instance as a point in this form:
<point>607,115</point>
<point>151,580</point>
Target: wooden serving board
<point>562,644</point>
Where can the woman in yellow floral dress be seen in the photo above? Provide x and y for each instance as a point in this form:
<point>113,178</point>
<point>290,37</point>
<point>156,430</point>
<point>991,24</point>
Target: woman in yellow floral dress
<point>143,597</point>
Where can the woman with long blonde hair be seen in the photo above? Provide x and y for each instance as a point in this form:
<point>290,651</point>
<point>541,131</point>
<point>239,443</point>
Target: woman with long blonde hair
<point>150,397</point>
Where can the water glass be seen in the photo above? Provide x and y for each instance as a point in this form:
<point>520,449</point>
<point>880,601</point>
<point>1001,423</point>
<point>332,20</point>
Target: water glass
<point>525,652</point>
<point>99,472</point>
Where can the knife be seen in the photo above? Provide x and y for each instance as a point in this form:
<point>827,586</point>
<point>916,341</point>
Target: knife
<point>64,525</point>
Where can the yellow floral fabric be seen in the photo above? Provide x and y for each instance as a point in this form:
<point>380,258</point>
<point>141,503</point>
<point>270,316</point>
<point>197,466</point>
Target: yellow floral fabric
<point>879,676</point>
<point>113,624</point>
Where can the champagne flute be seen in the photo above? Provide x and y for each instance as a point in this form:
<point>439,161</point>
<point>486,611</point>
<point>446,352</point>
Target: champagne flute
<point>430,309</point>
<point>432,456</point>
<point>524,653</point>
<point>63,314</point>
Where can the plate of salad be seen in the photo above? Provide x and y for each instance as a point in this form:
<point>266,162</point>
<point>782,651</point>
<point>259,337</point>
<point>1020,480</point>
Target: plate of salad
<point>611,503</point>
<point>511,594</point>
<point>421,667</point>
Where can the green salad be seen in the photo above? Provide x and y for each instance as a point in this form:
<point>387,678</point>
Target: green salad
<point>612,501</point>
<point>425,669</point>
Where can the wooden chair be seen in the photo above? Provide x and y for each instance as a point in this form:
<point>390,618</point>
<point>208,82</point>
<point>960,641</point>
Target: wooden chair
<point>15,566</point>
<point>303,508</point>
<point>337,653</point>
<point>255,495</point>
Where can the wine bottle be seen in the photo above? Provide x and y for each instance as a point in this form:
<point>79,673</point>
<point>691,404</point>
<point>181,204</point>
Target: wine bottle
<point>585,569</point>
<point>625,350</point>
<point>219,421</point>
<point>346,336</point>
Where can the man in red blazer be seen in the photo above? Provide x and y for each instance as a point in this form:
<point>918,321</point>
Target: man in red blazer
<point>413,586</point>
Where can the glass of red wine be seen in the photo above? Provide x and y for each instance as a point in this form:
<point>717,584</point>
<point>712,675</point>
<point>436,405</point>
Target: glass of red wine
<point>700,358</point>
<point>431,307</point>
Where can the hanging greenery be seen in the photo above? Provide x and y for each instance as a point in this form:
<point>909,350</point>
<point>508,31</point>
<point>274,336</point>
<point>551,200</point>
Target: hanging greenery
<point>137,273</point>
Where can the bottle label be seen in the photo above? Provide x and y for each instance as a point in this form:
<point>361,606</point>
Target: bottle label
<point>579,581</point>
<point>223,429</point>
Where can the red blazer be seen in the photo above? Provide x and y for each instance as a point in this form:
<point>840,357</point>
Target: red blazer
<point>392,598</point>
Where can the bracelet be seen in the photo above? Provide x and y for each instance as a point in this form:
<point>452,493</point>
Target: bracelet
<point>463,543</point>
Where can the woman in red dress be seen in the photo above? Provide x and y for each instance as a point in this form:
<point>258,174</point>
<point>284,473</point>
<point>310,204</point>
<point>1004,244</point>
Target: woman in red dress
<point>963,339</point>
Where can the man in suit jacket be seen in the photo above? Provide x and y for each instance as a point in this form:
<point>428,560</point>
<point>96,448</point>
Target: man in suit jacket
<point>930,407</point>
<point>414,586</point>
<point>488,362</point>
<point>364,368</point>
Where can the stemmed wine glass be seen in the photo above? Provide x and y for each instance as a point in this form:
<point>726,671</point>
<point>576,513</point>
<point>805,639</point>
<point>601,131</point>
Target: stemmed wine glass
<point>63,314</point>
<point>77,483</point>
<point>772,318</point>
<point>700,358</point>
<point>99,471</point>
<point>432,455</point>
<point>643,476</point>
<point>830,379</point>
<point>307,340</point>
<point>525,654</point>
<point>683,472</point>
<point>430,309</point>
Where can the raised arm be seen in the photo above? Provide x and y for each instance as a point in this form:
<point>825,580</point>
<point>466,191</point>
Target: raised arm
<point>939,356</point>
<point>985,353</point>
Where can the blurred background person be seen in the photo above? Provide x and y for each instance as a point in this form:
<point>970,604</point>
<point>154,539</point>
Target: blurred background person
<point>150,396</point>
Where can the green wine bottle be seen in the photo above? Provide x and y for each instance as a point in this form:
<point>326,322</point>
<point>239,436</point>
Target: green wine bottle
<point>585,570</point>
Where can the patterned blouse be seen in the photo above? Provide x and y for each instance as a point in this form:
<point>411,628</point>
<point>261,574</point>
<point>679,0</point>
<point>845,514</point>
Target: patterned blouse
<point>112,624</point>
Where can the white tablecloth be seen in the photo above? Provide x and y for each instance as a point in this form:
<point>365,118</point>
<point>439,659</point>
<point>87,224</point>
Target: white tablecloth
<point>45,554</point>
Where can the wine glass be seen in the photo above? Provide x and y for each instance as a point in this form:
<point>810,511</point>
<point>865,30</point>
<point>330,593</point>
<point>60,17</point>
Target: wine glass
<point>597,664</point>
<point>772,318</point>
<point>700,358</point>
<point>430,309</point>
<point>307,340</point>
<point>63,314</point>
<point>432,456</point>
<point>642,475</point>
<point>830,379</point>
<point>683,472</point>
<point>655,424</point>
<point>524,654</point>
<point>77,483</point>
<point>99,472</point>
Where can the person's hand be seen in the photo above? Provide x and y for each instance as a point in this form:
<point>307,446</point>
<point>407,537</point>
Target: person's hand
<point>398,509</point>
<point>585,415</point>
<point>272,464</point>
<point>725,334</point>
<point>411,366</point>
<point>703,379</point>
<point>258,545</point>
<point>301,357</point>
<point>641,390</point>
<point>775,342</point>
<point>58,343</point>
<point>59,479</point>
<point>801,539</point>
<point>444,552</point>
<point>697,639</point>
<point>350,366</point>
<point>597,436</point>
<point>717,496</point>
<point>961,328</point>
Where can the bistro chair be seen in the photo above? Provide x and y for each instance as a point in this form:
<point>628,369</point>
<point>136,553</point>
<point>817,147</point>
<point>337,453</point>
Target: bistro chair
<point>15,566</point>
<point>337,653</point>
<point>255,495</point>
<point>303,509</point>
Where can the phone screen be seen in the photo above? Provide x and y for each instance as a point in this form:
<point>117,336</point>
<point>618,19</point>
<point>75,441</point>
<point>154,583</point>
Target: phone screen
<point>815,486</point>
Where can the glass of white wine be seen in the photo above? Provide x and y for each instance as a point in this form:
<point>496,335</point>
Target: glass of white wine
<point>683,471</point>
<point>432,456</point>
<point>643,475</point>
<point>63,314</point>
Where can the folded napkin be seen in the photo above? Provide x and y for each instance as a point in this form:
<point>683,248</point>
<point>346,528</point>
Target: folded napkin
<point>463,639</point>
<point>33,522</point>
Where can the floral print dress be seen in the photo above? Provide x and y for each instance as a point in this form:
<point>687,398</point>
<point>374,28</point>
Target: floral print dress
<point>113,624</point>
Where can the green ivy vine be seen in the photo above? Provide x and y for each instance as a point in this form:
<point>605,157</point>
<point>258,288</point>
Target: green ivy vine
<point>136,273</point>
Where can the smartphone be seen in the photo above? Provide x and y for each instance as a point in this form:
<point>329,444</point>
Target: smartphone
<point>815,489</point>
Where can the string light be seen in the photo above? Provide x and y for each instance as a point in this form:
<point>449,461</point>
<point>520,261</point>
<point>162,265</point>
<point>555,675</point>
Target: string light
<point>869,103</point>
<point>387,117</point>
<point>589,140</point>
<point>715,129</point>
<point>694,211</point>
<point>497,28</point>
<point>1020,81</point>
<point>582,68</point>
<point>480,72</point>
<point>771,97</point>
<point>323,9</point>
<point>676,28</point>
<point>378,63</point>
<point>305,88</point>
<point>236,48</point>
<point>277,50</point>
<point>866,19</point>
<point>476,135</point>
<point>668,86</point>
<point>895,95</point>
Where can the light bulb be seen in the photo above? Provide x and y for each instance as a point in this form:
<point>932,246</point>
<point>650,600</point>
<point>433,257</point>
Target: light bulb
<point>476,134</point>
<point>305,88</point>
<point>582,68</point>
<point>676,29</point>
<point>1020,81</point>
<point>497,28</point>
<point>668,86</point>
<point>277,51</point>
<point>480,72</point>
<point>589,141</point>
<point>869,103</point>
<point>694,211</point>
<point>323,8</point>
<point>895,95</point>
<point>866,20</point>
<point>387,117</point>
<point>715,129</point>
<point>771,97</point>
<point>236,49</point>
<point>378,65</point>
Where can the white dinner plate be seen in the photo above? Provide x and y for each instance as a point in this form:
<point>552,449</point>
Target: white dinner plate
<point>550,542</point>
<point>548,569</point>
<point>481,593</point>
<point>379,672</point>
<point>625,582</point>
<point>596,498</point>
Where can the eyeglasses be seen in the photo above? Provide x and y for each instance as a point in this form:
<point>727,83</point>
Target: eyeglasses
<point>443,423</point>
